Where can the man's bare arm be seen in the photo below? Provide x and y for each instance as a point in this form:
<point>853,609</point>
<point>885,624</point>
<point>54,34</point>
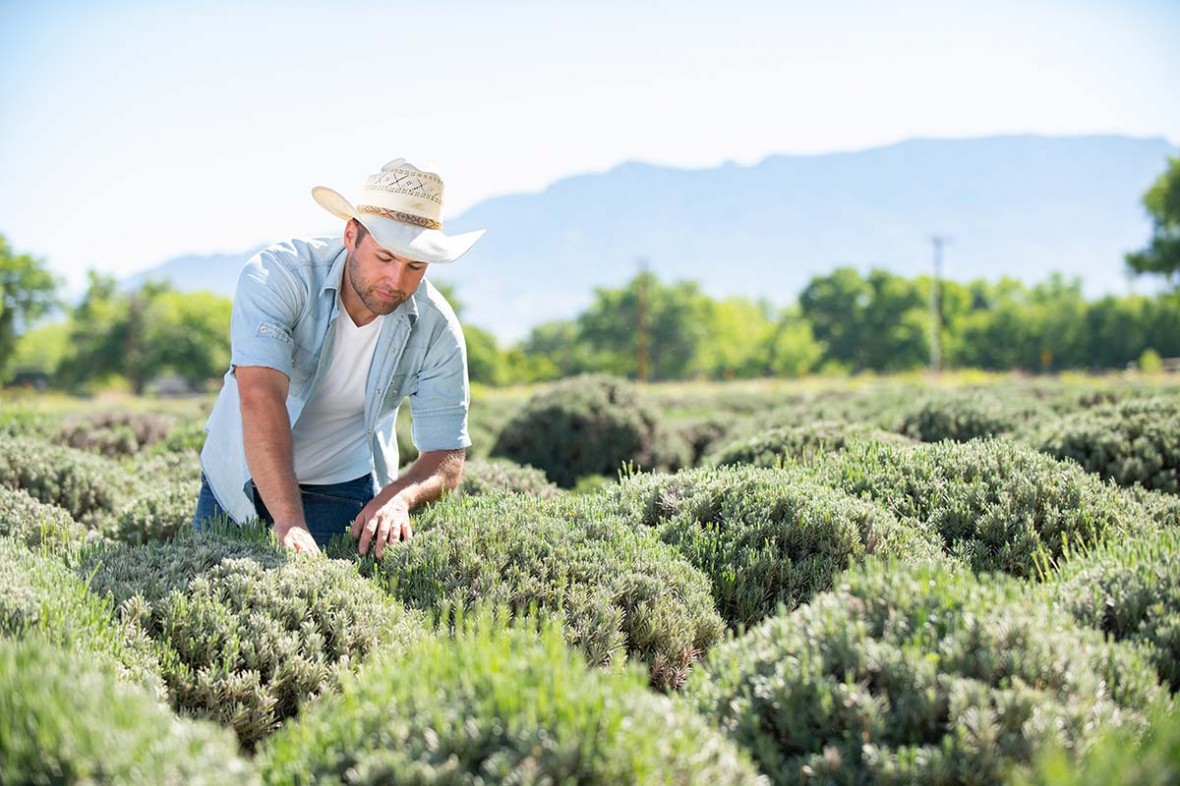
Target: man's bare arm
<point>387,517</point>
<point>266,431</point>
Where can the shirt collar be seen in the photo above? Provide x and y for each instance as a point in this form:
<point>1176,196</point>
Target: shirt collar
<point>335,273</point>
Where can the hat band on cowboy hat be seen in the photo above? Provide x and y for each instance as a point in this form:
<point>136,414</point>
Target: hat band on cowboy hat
<point>401,206</point>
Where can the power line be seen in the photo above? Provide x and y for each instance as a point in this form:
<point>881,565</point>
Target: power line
<point>935,304</point>
<point>642,327</point>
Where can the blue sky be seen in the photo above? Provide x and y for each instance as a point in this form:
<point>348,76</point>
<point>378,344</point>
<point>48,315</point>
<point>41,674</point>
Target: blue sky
<point>132,132</point>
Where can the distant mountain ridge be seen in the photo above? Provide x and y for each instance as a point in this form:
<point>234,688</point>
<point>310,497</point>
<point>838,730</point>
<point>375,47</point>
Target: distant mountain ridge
<point>1012,205</point>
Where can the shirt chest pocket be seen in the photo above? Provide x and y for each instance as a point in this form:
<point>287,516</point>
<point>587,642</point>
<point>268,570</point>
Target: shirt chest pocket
<point>397,390</point>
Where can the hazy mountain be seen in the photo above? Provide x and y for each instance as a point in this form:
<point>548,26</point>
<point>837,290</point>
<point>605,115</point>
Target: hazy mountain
<point>1017,205</point>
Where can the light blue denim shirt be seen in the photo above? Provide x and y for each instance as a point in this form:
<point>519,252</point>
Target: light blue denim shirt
<point>284,317</point>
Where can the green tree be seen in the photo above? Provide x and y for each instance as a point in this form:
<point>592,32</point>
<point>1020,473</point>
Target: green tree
<point>1059,316</point>
<point>834,305</point>
<point>187,334</point>
<point>1118,329</point>
<point>107,335</point>
<point>1162,254</point>
<point>737,342</point>
<point>42,349</point>
<point>27,291</point>
<point>897,326</point>
<point>672,320</point>
<point>994,332</point>
<point>881,322</point>
<point>792,350</point>
<point>559,345</point>
<point>485,363</point>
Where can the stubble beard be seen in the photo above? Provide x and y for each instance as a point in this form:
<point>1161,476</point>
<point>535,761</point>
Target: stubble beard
<point>368,296</point>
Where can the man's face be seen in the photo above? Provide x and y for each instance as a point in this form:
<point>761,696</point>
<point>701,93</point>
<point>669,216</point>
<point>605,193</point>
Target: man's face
<point>381,281</point>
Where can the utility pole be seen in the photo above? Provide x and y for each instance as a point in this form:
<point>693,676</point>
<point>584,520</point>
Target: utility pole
<point>642,326</point>
<point>935,306</point>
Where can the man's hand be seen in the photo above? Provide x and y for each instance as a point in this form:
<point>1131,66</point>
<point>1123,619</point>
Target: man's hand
<point>386,519</point>
<point>296,538</point>
<point>378,524</point>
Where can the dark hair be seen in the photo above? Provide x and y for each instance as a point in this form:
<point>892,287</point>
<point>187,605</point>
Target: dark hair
<point>361,230</point>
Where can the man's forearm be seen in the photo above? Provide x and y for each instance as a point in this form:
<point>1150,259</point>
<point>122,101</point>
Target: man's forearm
<point>386,519</point>
<point>267,434</point>
<point>427,479</point>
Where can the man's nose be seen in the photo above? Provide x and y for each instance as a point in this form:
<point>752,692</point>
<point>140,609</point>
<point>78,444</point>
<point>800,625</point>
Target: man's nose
<point>398,274</point>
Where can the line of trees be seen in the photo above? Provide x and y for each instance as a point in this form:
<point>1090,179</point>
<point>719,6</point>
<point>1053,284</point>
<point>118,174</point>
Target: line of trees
<point>119,338</point>
<point>843,322</point>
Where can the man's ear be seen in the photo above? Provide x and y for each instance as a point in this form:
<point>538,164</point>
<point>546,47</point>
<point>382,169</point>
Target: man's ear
<point>350,235</point>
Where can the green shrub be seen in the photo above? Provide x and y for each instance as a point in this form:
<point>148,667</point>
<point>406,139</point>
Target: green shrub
<point>65,719</point>
<point>186,438</point>
<point>113,434</point>
<point>959,417</point>
<point>249,635</point>
<point>39,596</point>
<point>1130,589</point>
<point>765,537</point>
<point>36,524</point>
<point>1161,508</point>
<point>17,421</point>
<point>703,435</point>
<point>158,513</point>
<point>1120,756</point>
<point>1150,362</point>
<point>150,467</point>
<point>589,425</point>
<point>484,477</point>
<point>997,505</point>
<point>1136,442</point>
<point>498,705</point>
<point>921,675</point>
<point>790,444</point>
<point>85,485</point>
<point>622,593</point>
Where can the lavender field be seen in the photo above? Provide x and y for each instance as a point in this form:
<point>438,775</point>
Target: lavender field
<point>968,580</point>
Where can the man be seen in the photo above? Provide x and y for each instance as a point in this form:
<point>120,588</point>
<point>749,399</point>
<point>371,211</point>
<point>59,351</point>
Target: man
<point>328,337</point>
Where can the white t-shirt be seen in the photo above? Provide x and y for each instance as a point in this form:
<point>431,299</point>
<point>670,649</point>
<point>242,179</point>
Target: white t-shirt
<point>330,442</point>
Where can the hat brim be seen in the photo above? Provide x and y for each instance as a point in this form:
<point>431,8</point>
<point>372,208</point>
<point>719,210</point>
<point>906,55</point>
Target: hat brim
<point>398,237</point>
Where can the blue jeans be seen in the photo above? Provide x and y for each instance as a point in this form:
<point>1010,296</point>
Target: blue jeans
<point>328,509</point>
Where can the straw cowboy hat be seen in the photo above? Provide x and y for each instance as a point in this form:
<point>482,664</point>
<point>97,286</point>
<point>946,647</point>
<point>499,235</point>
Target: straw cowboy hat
<point>401,206</point>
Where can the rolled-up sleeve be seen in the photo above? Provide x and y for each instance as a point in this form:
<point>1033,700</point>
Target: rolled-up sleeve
<point>267,303</point>
<point>440,399</point>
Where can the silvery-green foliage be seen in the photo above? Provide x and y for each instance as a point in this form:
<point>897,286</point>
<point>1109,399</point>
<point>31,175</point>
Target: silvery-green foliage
<point>998,505</point>
<point>590,425</point>
<point>766,537</point>
<point>499,704</point>
<point>905,675</point>
<point>86,486</point>
<point>621,593</point>
<point>65,718</point>
<point>791,444</point>
<point>157,513</point>
<point>964,416</point>
<point>40,596</point>
<point>1134,442</point>
<point>1130,589</point>
<point>485,476</point>
<point>39,525</point>
<point>1119,756</point>
<point>248,632</point>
